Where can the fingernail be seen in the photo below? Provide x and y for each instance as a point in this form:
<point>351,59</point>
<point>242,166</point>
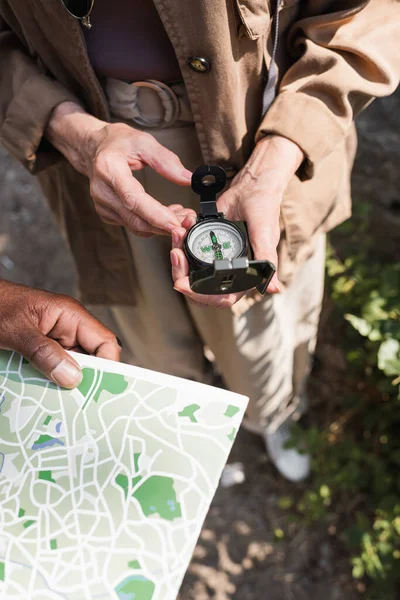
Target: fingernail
<point>119,342</point>
<point>174,259</point>
<point>67,374</point>
<point>275,289</point>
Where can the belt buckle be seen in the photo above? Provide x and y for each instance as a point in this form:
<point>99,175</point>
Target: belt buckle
<point>168,99</point>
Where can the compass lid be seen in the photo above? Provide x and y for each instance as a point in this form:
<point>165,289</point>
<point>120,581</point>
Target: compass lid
<point>231,276</point>
<point>208,181</point>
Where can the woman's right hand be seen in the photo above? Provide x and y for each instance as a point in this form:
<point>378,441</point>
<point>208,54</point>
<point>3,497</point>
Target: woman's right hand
<point>107,154</point>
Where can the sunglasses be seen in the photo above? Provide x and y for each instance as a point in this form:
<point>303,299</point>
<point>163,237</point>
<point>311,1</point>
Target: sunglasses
<point>80,9</point>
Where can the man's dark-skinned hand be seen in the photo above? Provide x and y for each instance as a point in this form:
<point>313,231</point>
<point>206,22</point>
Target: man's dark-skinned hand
<point>42,326</point>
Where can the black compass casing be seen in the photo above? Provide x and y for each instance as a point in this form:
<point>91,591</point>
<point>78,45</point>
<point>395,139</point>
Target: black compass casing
<point>223,276</point>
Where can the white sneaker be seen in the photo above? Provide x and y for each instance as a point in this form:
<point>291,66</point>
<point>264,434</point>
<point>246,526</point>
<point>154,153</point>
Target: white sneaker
<point>289,462</point>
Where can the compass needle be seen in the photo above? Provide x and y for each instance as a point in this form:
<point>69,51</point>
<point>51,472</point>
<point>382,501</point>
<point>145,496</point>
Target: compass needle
<point>216,247</point>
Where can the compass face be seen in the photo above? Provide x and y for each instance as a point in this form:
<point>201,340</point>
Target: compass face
<point>215,240</point>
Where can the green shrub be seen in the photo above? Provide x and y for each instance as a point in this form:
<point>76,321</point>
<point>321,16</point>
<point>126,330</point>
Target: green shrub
<point>356,486</point>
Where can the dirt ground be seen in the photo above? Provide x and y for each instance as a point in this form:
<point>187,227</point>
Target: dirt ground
<point>237,557</point>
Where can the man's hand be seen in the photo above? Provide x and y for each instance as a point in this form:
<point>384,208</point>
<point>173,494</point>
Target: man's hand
<point>107,154</point>
<point>41,326</point>
<point>255,197</point>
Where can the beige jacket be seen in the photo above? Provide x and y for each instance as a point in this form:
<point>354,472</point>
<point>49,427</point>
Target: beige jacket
<point>334,57</point>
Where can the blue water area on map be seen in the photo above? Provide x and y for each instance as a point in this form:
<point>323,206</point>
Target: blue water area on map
<point>135,587</point>
<point>48,443</point>
<point>58,427</point>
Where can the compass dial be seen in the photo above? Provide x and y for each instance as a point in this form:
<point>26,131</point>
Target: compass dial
<point>215,240</point>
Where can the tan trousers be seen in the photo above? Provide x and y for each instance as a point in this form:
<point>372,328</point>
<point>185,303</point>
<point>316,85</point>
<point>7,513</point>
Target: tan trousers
<point>263,353</point>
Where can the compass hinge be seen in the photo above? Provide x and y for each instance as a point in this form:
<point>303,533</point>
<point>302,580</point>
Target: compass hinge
<point>209,208</point>
<point>210,215</point>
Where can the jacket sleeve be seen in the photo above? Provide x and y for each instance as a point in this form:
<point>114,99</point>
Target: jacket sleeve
<point>27,99</point>
<point>346,58</point>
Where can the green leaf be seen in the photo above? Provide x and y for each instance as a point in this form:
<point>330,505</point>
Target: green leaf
<point>358,568</point>
<point>359,324</point>
<point>344,285</point>
<point>285,502</point>
<point>324,491</point>
<point>389,357</point>
<point>396,525</point>
<point>334,267</point>
<point>374,308</point>
<point>375,335</point>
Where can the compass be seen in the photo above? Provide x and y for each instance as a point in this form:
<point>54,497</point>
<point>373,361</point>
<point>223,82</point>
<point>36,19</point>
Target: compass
<point>211,240</point>
<point>218,250</point>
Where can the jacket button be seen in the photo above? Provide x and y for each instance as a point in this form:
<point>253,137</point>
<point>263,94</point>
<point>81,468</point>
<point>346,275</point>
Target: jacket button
<point>199,64</point>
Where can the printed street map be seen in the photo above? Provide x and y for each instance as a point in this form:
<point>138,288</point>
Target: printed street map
<point>104,489</point>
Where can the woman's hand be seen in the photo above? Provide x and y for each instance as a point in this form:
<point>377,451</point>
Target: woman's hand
<point>107,154</point>
<point>255,197</point>
<point>42,326</point>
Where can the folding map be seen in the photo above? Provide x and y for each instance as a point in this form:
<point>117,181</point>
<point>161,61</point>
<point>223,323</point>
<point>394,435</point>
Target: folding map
<point>104,489</point>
